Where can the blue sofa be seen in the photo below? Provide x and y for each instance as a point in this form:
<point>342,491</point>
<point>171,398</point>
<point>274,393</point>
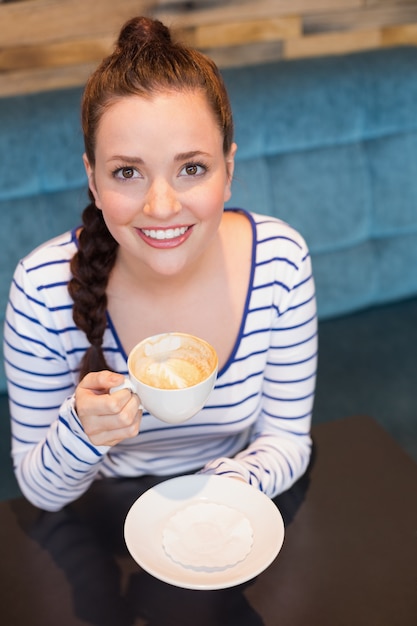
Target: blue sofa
<point>327,144</point>
<point>331,146</point>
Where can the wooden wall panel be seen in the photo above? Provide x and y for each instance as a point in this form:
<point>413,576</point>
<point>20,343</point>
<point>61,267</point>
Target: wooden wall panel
<point>52,44</point>
<point>400,35</point>
<point>220,11</point>
<point>31,22</point>
<point>332,43</point>
<point>235,33</point>
<point>358,19</point>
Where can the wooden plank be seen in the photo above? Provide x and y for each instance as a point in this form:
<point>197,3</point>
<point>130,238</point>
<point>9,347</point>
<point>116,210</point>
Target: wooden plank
<point>235,33</point>
<point>33,81</point>
<point>365,18</point>
<point>400,35</point>
<point>93,49</point>
<point>43,21</point>
<point>81,51</point>
<point>246,9</point>
<point>71,52</point>
<point>379,3</point>
<point>332,43</point>
<point>47,79</point>
<point>252,54</point>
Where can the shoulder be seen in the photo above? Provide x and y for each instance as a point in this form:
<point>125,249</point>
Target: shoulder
<point>56,250</point>
<point>52,257</point>
<point>269,228</point>
<point>274,238</point>
<point>47,265</point>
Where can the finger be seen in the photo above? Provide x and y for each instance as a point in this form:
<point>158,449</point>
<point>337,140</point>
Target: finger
<point>116,402</point>
<point>101,382</point>
<point>107,422</point>
<point>89,402</point>
<point>103,429</point>
<point>114,436</point>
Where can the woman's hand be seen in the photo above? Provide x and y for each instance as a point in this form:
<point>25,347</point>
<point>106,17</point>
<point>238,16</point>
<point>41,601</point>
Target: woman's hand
<point>107,418</point>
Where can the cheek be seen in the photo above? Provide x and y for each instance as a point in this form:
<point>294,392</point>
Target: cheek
<point>215,196</point>
<point>116,207</point>
<point>209,205</point>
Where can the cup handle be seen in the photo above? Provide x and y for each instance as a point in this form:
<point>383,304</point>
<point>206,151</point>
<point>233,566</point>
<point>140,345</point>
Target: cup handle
<point>126,384</point>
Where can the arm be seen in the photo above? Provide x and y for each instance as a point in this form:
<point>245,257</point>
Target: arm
<point>280,446</point>
<point>55,459</point>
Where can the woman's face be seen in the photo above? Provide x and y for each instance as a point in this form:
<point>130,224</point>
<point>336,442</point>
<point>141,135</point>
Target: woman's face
<point>161,179</point>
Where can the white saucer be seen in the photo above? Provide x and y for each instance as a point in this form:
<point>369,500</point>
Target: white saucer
<point>151,515</point>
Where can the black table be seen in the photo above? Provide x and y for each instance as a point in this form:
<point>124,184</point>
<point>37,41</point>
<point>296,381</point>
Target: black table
<point>349,555</point>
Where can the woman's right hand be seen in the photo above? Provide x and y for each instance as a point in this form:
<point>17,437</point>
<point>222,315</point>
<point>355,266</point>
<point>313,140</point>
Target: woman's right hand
<point>107,418</point>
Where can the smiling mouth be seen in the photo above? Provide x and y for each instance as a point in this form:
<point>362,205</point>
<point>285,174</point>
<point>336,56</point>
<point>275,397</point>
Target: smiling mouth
<point>164,234</point>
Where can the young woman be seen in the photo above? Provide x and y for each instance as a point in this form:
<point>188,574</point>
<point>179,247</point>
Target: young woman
<point>158,252</point>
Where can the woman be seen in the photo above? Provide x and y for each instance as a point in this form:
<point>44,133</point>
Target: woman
<point>157,252</point>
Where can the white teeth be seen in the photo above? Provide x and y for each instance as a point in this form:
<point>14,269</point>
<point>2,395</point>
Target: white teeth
<point>169,233</point>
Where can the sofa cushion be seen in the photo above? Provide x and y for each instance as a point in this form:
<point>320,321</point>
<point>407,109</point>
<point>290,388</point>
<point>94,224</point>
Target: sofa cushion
<point>309,103</point>
<point>392,163</point>
<point>41,136</point>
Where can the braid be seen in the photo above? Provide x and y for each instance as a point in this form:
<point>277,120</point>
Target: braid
<point>91,267</point>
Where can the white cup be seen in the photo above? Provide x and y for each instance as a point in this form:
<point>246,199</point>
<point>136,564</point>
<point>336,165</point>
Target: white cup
<point>173,375</point>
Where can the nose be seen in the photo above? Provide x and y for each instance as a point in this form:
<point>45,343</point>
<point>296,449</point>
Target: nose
<point>161,200</point>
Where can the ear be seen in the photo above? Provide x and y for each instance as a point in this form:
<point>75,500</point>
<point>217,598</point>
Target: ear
<point>91,180</point>
<point>230,167</point>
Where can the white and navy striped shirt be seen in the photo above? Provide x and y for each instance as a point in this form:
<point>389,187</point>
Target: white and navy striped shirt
<point>256,423</point>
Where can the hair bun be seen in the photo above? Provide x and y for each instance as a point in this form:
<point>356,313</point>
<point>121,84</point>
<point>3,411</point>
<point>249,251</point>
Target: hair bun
<point>142,30</point>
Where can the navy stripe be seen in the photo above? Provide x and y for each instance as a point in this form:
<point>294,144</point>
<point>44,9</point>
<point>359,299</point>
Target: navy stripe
<point>48,264</point>
<point>276,259</point>
<point>53,374</point>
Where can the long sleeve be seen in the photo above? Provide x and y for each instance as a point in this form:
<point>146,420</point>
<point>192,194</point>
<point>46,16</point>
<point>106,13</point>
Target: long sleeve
<point>280,445</point>
<point>53,459</point>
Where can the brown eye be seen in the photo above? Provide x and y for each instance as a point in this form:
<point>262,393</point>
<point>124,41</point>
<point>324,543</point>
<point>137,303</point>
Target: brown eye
<point>126,173</point>
<point>191,170</point>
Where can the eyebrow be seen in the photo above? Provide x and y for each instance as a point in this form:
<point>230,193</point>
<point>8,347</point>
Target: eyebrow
<point>128,159</point>
<point>182,156</point>
<point>185,156</point>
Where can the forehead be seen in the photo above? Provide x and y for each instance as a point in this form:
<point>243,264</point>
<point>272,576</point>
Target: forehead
<point>174,111</point>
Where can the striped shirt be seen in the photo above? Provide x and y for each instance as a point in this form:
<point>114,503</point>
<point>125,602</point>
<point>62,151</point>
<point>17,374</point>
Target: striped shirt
<point>256,423</point>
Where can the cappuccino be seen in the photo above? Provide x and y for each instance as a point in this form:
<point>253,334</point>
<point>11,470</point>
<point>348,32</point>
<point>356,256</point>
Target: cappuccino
<point>173,361</point>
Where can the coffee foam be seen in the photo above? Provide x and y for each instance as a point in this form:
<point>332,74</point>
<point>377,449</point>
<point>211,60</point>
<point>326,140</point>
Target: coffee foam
<point>174,362</point>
